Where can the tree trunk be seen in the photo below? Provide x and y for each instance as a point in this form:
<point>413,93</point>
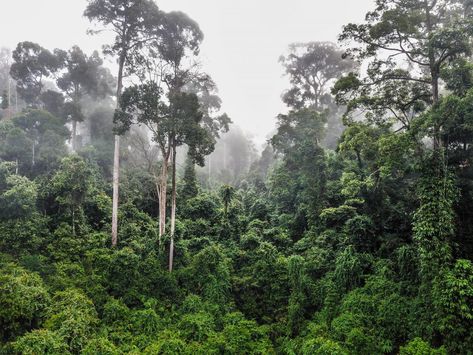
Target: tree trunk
<point>116,157</point>
<point>74,134</point>
<point>162,190</point>
<point>173,208</point>
<point>434,73</point>
<point>116,178</point>
<point>162,194</point>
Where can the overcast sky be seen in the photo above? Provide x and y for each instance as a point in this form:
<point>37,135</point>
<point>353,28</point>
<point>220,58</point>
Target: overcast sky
<point>243,41</point>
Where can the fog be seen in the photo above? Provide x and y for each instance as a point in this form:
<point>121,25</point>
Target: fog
<point>243,41</point>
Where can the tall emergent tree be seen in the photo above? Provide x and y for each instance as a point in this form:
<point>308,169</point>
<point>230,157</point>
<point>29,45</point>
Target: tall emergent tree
<point>177,120</point>
<point>134,23</point>
<point>181,38</point>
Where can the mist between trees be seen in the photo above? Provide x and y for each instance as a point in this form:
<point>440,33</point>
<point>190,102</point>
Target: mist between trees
<point>137,218</point>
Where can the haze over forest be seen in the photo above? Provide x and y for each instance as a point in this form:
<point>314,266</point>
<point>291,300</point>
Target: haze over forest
<point>243,41</point>
<point>236,177</point>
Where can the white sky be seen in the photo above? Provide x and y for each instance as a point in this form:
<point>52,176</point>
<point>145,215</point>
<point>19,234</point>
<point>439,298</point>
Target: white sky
<point>243,41</point>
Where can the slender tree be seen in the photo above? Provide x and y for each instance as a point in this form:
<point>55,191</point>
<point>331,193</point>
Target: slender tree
<point>134,23</point>
<point>181,39</point>
<point>162,63</point>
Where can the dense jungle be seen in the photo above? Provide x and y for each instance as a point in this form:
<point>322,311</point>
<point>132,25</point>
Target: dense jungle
<point>137,218</point>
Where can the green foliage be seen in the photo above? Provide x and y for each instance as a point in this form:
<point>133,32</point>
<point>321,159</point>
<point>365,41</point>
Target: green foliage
<point>34,140</point>
<point>100,346</point>
<point>434,220</point>
<point>419,347</point>
<point>260,286</point>
<point>298,281</point>
<point>210,275</point>
<point>454,299</point>
<point>196,326</point>
<point>373,317</point>
<point>244,336</point>
<point>336,215</point>
<point>322,346</point>
<point>363,248</point>
<point>168,343</point>
<point>17,194</point>
<point>73,317</point>
<point>387,90</point>
<point>31,64</point>
<point>41,341</point>
<point>299,182</point>
<point>350,268</point>
<point>226,194</point>
<point>21,236</point>
<point>14,144</point>
<point>23,300</point>
<point>190,188</point>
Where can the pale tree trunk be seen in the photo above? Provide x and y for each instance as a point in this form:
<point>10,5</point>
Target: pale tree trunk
<point>74,135</point>
<point>116,158</point>
<point>173,208</point>
<point>157,182</point>
<point>162,193</point>
<point>116,178</point>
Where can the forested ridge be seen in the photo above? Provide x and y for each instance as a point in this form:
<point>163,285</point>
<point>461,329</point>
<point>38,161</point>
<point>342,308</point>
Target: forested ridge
<point>136,218</point>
